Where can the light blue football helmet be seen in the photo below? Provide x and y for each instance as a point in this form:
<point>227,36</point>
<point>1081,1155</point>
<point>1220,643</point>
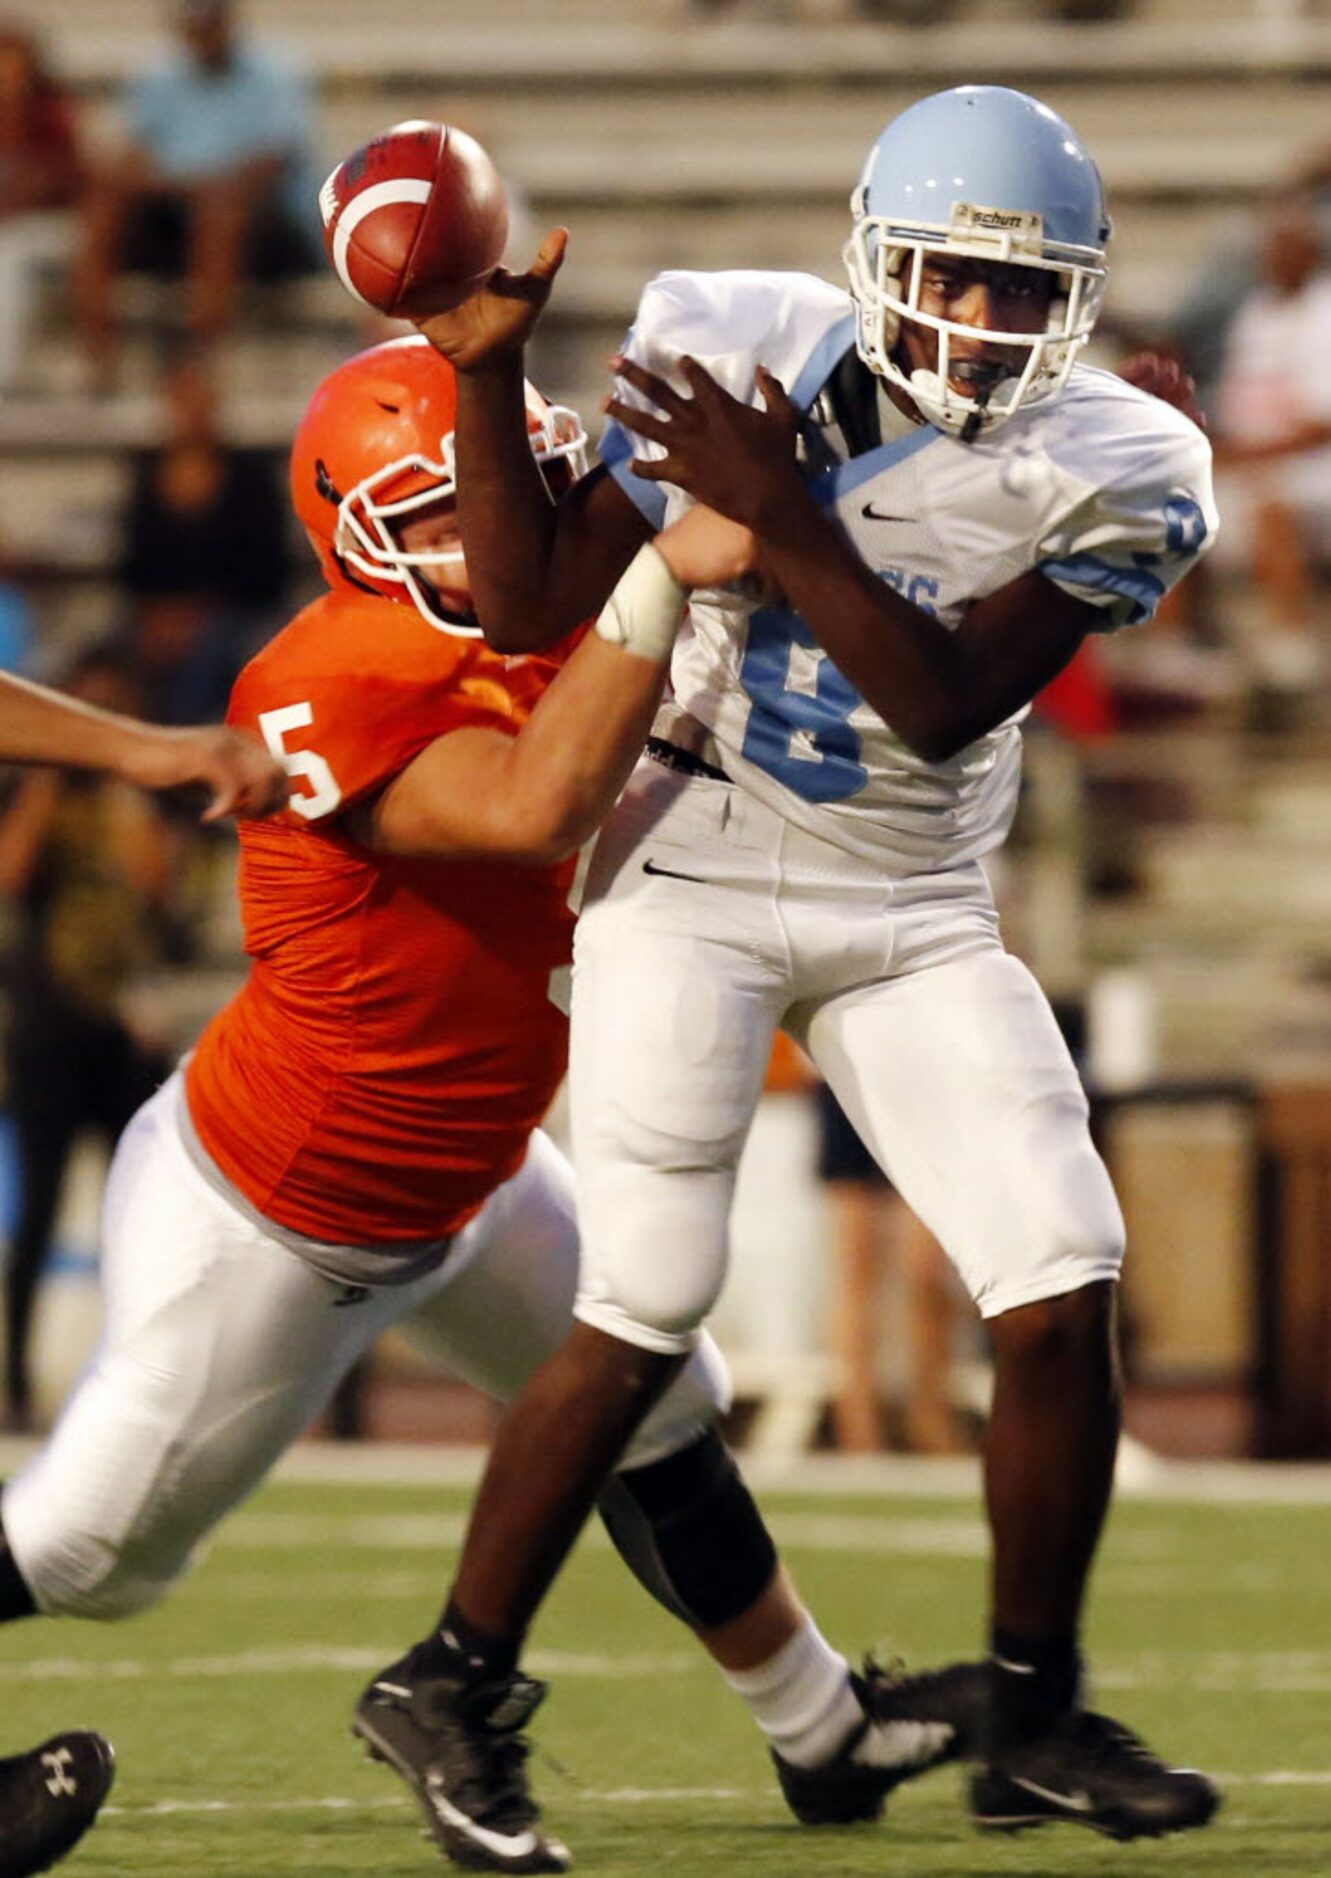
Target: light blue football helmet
<point>991,173</point>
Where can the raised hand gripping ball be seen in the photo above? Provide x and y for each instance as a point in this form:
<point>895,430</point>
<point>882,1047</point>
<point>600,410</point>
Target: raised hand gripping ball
<point>415,220</point>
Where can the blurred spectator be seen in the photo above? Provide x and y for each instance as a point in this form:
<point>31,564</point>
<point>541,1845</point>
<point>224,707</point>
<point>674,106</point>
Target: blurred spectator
<point>217,180</point>
<point>904,12</point>
<point>204,562</point>
<point>1272,434</point>
<point>39,179</point>
<point>86,861</point>
<point>204,517</point>
<point>1080,702</point>
<point>870,1224</point>
<point>18,629</point>
<point>911,12</point>
<point>1230,272</point>
<point>1084,12</point>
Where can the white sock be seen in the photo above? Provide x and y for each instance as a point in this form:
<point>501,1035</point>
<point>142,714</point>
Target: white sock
<point>801,1698</point>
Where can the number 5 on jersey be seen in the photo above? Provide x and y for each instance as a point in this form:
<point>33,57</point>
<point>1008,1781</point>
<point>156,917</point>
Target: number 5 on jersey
<point>324,790</point>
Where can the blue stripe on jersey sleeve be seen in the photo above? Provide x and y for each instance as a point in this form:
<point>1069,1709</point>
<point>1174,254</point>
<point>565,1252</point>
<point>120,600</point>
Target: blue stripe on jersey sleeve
<point>617,450</point>
<point>1137,584</point>
<point>817,368</point>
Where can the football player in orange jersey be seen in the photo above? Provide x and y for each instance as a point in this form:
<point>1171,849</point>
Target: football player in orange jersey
<point>50,1795</point>
<point>355,1140</point>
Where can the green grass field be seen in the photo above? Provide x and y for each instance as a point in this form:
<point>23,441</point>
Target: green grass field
<point>229,1706</point>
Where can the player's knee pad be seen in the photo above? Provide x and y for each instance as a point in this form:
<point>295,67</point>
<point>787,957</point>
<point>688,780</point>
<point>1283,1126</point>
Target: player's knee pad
<point>688,1529</point>
<point>1063,1229</point>
<point>1087,1223</point>
<point>85,1574</point>
<point>88,1581</point>
<point>121,1594</point>
<point>654,1252</point>
<point>16,1599</point>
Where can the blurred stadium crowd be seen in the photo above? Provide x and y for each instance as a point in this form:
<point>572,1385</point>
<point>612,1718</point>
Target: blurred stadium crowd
<point>165,309</point>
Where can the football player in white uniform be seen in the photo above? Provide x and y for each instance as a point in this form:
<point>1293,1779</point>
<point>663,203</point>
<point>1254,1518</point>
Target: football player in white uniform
<point>944,503</point>
<point>50,1795</point>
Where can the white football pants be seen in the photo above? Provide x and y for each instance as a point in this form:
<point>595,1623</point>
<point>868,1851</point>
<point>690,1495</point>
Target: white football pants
<point>707,922</point>
<point>220,1346</point>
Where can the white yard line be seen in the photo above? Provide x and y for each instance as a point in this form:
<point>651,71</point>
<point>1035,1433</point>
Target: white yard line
<point>1217,1672</point>
<point>320,1658</point>
<point>848,1476</point>
<point>389,1533</point>
<point>341,1803</point>
<point>611,1796</point>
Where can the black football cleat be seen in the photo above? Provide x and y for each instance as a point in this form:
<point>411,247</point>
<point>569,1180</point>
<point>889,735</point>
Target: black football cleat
<point>911,1723</point>
<point>1090,1771</point>
<point>459,1747</point>
<point>49,1797</point>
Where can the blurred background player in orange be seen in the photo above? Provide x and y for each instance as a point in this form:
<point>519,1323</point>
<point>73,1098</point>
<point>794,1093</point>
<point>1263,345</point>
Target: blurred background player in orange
<point>355,1140</point>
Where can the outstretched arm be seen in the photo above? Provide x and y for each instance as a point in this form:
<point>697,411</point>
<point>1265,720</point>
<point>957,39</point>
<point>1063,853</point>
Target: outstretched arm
<point>536,797</point>
<point>41,726</point>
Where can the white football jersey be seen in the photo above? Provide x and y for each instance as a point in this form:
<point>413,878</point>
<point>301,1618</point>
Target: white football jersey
<point>1105,490</point>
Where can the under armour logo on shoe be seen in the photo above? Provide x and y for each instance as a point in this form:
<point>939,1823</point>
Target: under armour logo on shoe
<point>58,1780</point>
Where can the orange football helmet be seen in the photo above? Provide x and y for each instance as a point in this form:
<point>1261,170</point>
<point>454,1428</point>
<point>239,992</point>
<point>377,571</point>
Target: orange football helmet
<point>375,447</point>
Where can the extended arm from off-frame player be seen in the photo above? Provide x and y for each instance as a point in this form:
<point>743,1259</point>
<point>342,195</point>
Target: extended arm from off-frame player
<point>42,726</point>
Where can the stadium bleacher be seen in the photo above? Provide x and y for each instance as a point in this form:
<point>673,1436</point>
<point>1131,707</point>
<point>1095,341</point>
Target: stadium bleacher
<point>667,139</point>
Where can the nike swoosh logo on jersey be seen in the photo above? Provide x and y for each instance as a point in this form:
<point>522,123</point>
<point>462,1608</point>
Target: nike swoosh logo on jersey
<point>650,867</point>
<point>871,514</point>
<point>1069,1802</point>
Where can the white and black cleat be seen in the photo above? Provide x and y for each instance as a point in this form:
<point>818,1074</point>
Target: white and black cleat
<point>911,1724</point>
<point>460,1748</point>
<point>1090,1771</point>
<point>49,1797</point>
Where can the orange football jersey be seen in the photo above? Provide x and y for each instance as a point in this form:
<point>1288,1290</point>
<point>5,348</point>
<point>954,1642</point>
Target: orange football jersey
<point>395,1043</point>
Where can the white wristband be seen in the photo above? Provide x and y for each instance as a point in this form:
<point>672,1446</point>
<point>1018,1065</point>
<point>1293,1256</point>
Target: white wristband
<point>646,609</point>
